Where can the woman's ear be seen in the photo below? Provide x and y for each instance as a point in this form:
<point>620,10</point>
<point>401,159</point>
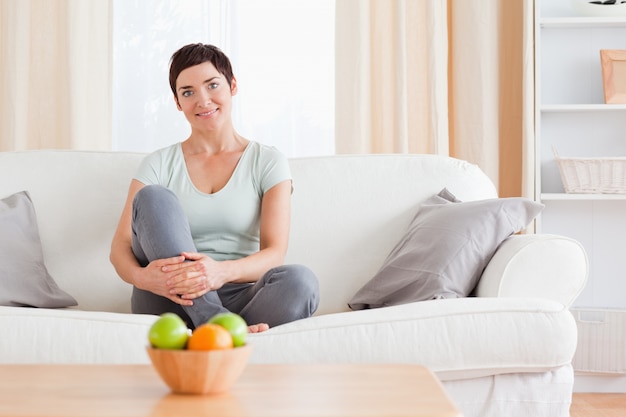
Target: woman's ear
<point>177,103</point>
<point>233,86</point>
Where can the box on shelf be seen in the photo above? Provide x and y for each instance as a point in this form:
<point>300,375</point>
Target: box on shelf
<point>592,175</point>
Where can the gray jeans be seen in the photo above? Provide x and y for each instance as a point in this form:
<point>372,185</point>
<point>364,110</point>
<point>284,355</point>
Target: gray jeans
<point>160,230</point>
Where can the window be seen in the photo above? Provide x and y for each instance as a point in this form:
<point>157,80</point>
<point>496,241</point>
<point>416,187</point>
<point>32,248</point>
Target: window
<point>282,53</point>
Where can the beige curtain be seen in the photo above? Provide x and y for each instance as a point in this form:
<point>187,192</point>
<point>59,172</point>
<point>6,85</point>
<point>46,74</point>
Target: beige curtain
<point>445,77</point>
<point>55,74</point>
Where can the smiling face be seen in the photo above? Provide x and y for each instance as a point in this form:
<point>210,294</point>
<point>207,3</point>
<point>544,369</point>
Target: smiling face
<point>204,95</point>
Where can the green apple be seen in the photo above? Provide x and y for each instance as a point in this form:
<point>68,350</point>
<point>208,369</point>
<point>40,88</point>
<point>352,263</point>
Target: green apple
<point>235,324</point>
<point>169,331</point>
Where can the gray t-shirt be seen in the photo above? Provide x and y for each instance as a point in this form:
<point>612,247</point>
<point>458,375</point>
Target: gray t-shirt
<point>225,224</point>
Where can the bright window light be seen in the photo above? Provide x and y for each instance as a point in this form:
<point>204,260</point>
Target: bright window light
<point>282,53</point>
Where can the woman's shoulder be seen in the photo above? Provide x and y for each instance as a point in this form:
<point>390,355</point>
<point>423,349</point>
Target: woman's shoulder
<point>263,152</point>
<point>164,157</point>
<point>159,164</point>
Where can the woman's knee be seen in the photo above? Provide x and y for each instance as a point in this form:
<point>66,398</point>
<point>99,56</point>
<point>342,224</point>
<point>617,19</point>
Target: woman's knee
<point>301,283</point>
<point>159,225</point>
<point>153,195</point>
<point>156,203</point>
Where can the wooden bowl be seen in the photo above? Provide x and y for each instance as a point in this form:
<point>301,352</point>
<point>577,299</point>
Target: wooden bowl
<point>199,371</point>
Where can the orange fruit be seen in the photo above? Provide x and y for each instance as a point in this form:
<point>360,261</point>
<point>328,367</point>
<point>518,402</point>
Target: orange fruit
<point>210,336</point>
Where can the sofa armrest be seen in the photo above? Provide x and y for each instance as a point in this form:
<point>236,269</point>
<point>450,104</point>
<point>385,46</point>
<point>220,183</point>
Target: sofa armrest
<point>540,266</point>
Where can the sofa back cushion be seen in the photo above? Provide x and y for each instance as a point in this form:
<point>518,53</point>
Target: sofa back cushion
<point>24,278</point>
<point>78,197</point>
<point>348,212</point>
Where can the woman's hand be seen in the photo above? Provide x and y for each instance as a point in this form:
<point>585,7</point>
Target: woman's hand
<point>178,279</point>
<point>194,278</point>
<point>155,275</point>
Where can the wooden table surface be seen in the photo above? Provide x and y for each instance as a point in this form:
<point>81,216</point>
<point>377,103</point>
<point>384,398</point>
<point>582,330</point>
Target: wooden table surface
<point>350,390</point>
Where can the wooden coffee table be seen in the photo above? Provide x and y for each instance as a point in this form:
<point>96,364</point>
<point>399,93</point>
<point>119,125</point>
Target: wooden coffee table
<point>263,390</point>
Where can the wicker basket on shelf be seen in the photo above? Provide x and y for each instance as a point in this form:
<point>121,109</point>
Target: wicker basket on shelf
<point>593,175</point>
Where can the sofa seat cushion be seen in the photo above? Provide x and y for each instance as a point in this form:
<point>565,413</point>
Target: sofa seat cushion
<point>456,338</point>
<point>41,335</point>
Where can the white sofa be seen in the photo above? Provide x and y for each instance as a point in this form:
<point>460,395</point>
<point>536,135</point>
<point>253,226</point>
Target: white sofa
<point>505,352</point>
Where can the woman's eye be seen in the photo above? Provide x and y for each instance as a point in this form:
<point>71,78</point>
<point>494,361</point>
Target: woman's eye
<point>213,86</point>
<point>187,93</point>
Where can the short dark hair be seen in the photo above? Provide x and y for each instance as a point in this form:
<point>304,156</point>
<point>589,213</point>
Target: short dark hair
<point>195,54</point>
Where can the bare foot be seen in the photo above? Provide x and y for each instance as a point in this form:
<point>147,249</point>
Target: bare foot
<point>258,328</point>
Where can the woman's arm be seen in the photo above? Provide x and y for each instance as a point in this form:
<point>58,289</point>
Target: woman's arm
<point>121,255</point>
<point>274,235</point>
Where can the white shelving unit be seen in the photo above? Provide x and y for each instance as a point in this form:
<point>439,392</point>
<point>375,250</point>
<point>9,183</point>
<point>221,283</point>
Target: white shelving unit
<point>572,118</point>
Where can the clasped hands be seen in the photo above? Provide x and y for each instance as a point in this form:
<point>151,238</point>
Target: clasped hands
<point>183,278</point>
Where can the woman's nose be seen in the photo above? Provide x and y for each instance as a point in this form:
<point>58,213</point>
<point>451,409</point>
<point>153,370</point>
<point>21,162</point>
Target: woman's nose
<point>205,98</point>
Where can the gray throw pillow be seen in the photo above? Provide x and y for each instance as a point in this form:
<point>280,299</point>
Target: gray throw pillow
<point>445,249</point>
<point>24,279</point>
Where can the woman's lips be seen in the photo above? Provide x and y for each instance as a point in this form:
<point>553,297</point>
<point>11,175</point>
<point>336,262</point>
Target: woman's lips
<point>207,113</point>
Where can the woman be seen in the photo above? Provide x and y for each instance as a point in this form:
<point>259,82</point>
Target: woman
<point>206,222</point>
